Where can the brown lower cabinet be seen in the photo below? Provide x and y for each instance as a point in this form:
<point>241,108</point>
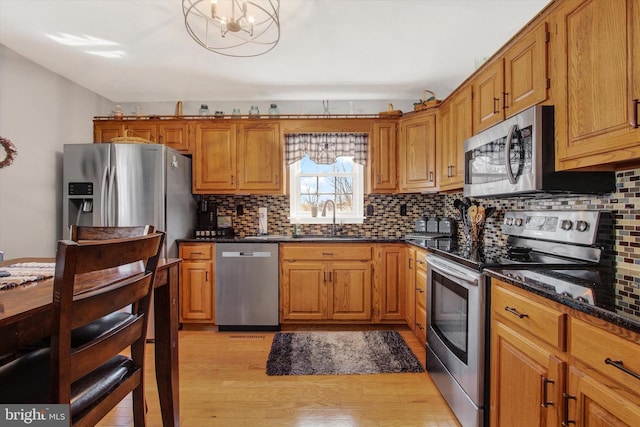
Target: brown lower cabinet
<point>197,283</point>
<point>549,365</point>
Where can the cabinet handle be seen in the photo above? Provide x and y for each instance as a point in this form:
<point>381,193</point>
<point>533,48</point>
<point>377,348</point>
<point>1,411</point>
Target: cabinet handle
<point>419,326</point>
<point>516,312</point>
<point>206,276</point>
<point>545,395</point>
<point>330,277</point>
<point>620,365</point>
<point>324,276</point>
<point>635,113</point>
<point>431,176</point>
<point>420,290</point>
<point>504,100</point>
<point>495,103</point>
<point>231,179</point>
<point>410,264</point>
<point>566,421</point>
<point>327,253</point>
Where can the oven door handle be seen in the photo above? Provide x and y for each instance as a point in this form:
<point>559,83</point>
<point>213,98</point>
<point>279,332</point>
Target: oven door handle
<point>451,272</point>
<point>507,154</point>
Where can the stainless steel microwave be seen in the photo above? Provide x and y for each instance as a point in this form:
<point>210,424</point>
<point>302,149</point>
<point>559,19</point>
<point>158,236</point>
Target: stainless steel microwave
<point>517,158</point>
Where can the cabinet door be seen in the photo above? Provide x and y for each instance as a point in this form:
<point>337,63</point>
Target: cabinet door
<point>349,290</point>
<point>454,128</point>
<point>597,108</point>
<point>526,381</point>
<point>383,158</point>
<point>175,134</point>
<point>196,292</point>
<point>214,163</point>
<point>592,403</point>
<point>417,153</point>
<point>260,159</point>
<point>141,129</point>
<point>389,284</point>
<point>303,292</point>
<point>488,87</point>
<point>525,71</point>
<point>104,131</point>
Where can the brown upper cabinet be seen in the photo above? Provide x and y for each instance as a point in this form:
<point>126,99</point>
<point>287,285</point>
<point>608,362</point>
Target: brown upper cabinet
<point>174,133</point>
<point>512,81</point>
<point>232,158</point>
<point>454,127</point>
<point>383,157</point>
<point>417,152</point>
<point>597,108</point>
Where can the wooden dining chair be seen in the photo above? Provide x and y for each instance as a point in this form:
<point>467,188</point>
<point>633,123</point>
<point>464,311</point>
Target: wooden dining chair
<point>91,280</point>
<point>84,234</point>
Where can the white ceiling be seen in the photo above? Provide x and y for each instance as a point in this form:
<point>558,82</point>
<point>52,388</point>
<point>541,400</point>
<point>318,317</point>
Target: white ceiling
<point>329,49</point>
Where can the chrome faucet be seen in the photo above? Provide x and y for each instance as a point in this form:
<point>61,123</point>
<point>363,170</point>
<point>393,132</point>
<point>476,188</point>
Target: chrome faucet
<point>334,230</point>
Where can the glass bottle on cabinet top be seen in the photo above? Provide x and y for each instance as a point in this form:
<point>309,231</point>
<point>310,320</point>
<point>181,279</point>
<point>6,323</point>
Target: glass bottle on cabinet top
<point>254,111</point>
<point>273,110</point>
<point>204,110</point>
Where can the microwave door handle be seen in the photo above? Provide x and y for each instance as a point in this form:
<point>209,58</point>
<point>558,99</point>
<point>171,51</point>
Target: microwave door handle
<point>507,154</point>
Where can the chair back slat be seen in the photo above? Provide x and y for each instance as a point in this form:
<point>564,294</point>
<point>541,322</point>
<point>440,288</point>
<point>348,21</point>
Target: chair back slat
<point>89,233</point>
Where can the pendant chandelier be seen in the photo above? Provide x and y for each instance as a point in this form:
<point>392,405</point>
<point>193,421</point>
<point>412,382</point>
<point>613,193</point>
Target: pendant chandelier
<point>239,28</point>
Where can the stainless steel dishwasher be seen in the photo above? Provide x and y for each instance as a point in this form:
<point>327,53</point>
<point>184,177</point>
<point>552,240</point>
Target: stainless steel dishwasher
<point>247,287</point>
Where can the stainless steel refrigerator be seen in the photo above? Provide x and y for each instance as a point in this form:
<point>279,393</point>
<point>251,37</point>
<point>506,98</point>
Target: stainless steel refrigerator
<point>126,185</point>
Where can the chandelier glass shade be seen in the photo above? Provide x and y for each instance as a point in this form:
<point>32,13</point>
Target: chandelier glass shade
<point>240,28</point>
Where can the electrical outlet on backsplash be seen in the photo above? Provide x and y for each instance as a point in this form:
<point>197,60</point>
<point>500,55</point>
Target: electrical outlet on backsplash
<point>386,220</point>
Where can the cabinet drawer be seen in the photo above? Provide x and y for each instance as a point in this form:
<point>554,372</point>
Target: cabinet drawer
<point>326,252</point>
<point>421,262</point>
<point>196,251</point>
<point>420,331</point>
<point>421,289</point>
<point>544,322</point>
<point>595,346</point>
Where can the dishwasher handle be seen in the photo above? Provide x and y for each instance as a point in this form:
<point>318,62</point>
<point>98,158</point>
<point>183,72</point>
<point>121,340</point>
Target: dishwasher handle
<point>246,254</point>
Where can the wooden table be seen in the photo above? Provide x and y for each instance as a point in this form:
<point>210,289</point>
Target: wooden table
<point>26,311</point>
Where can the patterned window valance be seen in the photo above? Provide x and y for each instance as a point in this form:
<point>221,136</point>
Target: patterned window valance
<point>325,148</point>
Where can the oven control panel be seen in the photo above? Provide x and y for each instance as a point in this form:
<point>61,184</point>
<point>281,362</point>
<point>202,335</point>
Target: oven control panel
<point>568,226</point>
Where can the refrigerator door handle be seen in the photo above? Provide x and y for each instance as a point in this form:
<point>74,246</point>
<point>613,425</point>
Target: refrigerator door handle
<point>110,203</point>
<point>103,196</point>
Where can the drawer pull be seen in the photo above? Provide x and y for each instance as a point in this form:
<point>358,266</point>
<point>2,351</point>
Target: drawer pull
<point>620,365</point>
<point>636,102</point>
<point>420,290</point>
<point>566,421</point>
<point>196,253</point>
<point>545,394</point>
<point>327,253</point>
<point>516,312</point>
<point>419,326</point>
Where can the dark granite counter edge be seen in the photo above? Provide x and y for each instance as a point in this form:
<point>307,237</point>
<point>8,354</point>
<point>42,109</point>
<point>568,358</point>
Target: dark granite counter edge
<point>291,239</point>
<point>609,316</point>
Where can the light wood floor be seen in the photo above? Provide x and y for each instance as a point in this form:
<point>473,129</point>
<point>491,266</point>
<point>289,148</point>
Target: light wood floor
<point>223,383</point>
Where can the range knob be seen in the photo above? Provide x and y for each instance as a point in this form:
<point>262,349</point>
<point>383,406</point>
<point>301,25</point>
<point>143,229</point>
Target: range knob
<point>582,225</point>
<point>508,221</point>
<point>566,224</point>
<point>518,222</point>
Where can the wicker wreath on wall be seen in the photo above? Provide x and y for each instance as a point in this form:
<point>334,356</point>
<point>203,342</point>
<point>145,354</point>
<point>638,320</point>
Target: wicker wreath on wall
<point>10,151</point>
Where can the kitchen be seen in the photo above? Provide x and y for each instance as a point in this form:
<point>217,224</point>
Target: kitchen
<point>386,208</point>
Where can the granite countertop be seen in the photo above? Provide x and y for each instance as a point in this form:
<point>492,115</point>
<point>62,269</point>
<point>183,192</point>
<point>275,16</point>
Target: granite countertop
<point>273,238</point>
<point>610,315</point>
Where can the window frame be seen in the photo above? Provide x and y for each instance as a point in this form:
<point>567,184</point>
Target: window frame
<point>295,191</point>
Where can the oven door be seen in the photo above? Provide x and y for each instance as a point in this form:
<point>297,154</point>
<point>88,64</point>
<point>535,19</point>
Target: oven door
<point>505,158</point>
<point>456,323</point>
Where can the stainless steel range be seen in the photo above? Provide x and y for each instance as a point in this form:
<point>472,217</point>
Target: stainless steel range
<point>562,251</point>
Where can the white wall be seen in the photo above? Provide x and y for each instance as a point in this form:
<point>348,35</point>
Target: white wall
<point>39,112</point>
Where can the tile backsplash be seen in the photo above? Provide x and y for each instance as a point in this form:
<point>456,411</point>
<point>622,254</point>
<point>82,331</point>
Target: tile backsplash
<point>387,221</point>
